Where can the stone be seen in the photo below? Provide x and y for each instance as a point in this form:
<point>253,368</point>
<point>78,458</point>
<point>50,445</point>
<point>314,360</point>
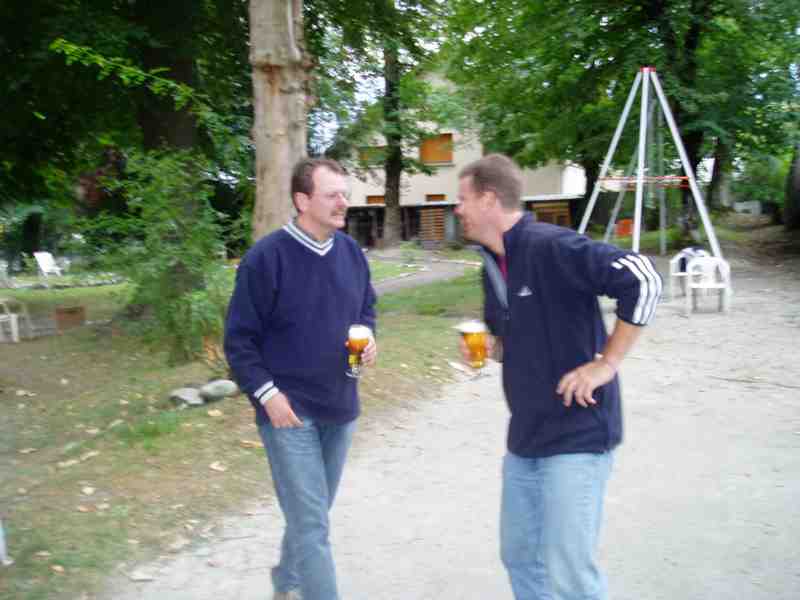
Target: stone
<point>218,389</point>
<point>186,395</point>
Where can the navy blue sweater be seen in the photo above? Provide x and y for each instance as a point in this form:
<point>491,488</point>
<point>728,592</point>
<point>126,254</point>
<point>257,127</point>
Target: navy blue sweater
<point>553,324</point>
<point>288,318</point>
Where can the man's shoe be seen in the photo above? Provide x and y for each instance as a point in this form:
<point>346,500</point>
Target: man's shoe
<point>290,595</point>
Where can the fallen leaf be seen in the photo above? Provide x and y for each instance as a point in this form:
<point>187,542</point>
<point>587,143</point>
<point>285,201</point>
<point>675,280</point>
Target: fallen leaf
<point>64,381</point>
<point>140,575</point>
<point>124,402</point>
<point>57,568</point>
<point>27,450</point>
<point>87,490</point>
<point>84,509</point>
<point>457,366</point>
<point>214,413</point>
<point>218,466</point>
<point>178,545</point>
<point>249,444</point>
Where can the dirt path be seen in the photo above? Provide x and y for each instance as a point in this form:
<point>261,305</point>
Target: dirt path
<point>703,502</point>
<point>433,271</point>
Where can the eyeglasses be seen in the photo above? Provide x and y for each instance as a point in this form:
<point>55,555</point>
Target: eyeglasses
<point>333,196</point>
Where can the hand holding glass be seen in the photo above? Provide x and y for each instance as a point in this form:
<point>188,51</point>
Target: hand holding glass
<point>358,338</point>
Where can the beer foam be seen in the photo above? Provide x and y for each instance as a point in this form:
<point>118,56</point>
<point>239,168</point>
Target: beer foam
<point>471,327</point>
<point>359,332</point>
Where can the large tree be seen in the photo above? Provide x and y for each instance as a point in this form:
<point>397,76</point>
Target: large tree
<point>280,75</point>
<point>791,207</point>
<point>549,78</point>
<point>386,44</point>
<point>61,117</point>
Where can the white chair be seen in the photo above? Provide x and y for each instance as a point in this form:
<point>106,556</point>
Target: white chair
<point>12,317</point>
<point>47,265</point>
<point>704,273</point>
<point>677,268</point>
<point>7,316</point>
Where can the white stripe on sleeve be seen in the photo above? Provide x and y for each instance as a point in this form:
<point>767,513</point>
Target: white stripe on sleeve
<point>655,278</point>
<point>263,389</point>
<point>268,394</point>
<point>644,289</point>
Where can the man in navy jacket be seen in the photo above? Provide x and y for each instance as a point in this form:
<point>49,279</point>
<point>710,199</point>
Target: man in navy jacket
<point>541,284</point>
<point>297,292</point>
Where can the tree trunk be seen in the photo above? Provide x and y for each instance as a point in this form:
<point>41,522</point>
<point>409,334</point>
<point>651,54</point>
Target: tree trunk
<point>591,169</point>
<point>718,188</point>
<point>280,76</point>
<point>791,206</point>
<point>392,223</point>
<point>160,122</point>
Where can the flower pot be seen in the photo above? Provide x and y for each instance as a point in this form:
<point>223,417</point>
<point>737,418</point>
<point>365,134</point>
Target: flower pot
<point>67,317</point>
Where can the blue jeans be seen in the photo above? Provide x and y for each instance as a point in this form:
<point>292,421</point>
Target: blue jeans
<point>306,464</point>
<point>550,520</point>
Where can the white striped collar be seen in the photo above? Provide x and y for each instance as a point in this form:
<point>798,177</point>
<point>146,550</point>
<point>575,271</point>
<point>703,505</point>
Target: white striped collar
<point>321,248</point>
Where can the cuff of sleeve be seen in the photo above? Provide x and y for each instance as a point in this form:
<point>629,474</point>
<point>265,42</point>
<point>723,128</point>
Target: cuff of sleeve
<point>265,392</point>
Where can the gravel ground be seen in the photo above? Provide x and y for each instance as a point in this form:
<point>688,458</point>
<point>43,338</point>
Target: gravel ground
<point>704,501</point>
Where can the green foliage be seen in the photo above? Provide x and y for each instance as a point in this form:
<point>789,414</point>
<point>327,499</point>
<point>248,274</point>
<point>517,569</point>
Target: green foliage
<point>12,219</point>
<point>548,79</point>
<point>169,247</point>
<point>127,73</point>
<point>762,178</point>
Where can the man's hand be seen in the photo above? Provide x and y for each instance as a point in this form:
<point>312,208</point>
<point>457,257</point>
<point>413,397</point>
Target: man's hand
<point>280,412</point>
<point>370,353</point>
<point>579,383</point>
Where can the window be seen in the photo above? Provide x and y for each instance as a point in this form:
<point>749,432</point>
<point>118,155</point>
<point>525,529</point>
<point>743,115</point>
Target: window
<point>437,150</point>
<point>435,197</point>
<point>376,200</point>
<point>556,213</point>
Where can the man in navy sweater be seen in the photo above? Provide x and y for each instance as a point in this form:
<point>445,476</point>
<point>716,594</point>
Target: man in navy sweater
<point>541,284</point>
<point>297,292</point>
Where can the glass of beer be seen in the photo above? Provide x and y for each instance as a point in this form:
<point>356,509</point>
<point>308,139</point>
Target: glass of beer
<point>358,337</point>
<point>474,334</point>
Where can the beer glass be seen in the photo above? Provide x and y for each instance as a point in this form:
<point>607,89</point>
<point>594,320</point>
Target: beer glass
<point>358,337</point>
<point>474,334</point>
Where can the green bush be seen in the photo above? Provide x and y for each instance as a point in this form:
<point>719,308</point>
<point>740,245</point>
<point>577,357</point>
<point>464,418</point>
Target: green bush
<point>169,245</point>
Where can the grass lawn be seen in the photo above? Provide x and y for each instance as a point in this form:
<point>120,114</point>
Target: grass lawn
<point>100,302</point>
<point>98,469</point>
<point>382,270</point>
<point>649,241</point>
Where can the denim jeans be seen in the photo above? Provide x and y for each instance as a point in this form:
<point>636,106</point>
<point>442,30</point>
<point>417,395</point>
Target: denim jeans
<point>306,464</point>
<point>550,520</point>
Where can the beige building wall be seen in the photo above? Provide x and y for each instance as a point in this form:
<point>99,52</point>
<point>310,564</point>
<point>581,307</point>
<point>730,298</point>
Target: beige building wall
<point>553,179</point>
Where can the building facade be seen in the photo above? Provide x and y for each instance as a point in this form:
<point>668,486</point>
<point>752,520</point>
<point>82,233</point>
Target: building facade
<point>427,201</point>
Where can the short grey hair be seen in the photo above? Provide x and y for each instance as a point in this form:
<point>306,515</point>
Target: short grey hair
<point>499,174</point>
